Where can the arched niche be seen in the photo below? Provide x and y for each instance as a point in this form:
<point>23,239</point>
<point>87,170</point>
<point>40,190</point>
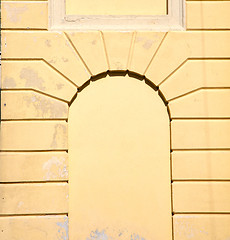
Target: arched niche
<point>119,149</point>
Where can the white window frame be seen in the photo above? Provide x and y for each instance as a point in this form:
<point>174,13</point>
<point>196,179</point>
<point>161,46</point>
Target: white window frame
<point>174,20</point>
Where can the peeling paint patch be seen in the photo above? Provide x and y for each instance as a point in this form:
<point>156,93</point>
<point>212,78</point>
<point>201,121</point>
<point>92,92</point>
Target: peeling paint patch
<point>46,107</point>
<point>188,229</point>
<point>136,237</point>
<point>54,168</point>
<point>97,235</point>
<point>111,233</point>
<point>63,230</point>
<point>59,136</point>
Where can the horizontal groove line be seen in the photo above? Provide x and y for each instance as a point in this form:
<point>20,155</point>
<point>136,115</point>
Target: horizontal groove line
<point>33,151</point>
<point>21,59</point>
<point>33,90</point>
<point>196,90</point>
<point>25,29</point>
<point>200,118</point>
<point>188,59</point>
<point>208,58</point>
<point>184,62</point>
<point>212,88</point>
<point>174,213</point>
<point>208,29</point>
<point>201,149</point>
<point>197,1</point>
<point>34,214</point>
<point>25,1</point>
<point>36,182</point>
<point>203,119</point>
<point>53,151</point>
<point>201,180</point>
<point>43,60</point>
<point>34,119</point>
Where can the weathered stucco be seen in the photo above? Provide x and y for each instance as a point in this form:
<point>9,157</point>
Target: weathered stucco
<point>42,72</point>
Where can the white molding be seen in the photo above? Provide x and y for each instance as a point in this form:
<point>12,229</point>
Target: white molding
<point>58,20</point>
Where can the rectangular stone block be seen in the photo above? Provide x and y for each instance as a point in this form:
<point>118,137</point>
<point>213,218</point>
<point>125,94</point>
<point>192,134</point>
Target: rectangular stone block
<point>34,198</point>
<point>24,15</point>
<point>33,135</point>
<point>36,166</point>
<point>34,227</point>
<point>201,197</point>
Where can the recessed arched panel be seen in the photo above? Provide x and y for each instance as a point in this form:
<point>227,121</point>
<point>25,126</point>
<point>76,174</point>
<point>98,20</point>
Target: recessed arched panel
<point>119,146</point>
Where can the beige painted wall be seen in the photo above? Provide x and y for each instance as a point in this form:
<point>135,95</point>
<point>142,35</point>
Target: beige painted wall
<point>42,71</point>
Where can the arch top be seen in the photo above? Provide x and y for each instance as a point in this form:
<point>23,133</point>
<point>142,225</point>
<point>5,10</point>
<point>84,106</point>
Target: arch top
<point>122,74</point>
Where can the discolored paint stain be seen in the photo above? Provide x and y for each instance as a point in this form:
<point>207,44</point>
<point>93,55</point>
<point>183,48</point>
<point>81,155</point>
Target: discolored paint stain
<point>60,86</point>
<point>148,44</point>
<point>48,43</point>
<point>54,168</point>
<point>59,132</point>
<point>32,78</point>
<point>119,65</point>
<point>136,237</point>
<point>63,230</point>
<point>94,42</point>
<point>65,59</point>
<point>14,14</point>
<point>53,60</point>
<point>9,82</point>
<point>121,234</point>
<point>98,235</point>
<point>46,107</point>
<point>188,229</point>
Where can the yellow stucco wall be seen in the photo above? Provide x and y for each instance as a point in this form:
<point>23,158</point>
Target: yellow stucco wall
<point>42,71</point>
